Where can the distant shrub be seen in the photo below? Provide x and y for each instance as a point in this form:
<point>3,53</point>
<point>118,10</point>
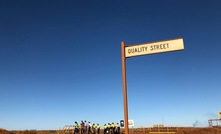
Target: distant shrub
<point>29,132</point>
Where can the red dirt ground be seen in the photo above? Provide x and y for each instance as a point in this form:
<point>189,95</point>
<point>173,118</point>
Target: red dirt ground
<point>180,131</point>
<point>199,131</point>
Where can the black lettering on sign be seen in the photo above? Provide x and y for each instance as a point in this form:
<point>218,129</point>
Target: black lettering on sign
<point>159,46</point>
<point>135,50</point>
<point>151,48</point>
<point>167,45</point>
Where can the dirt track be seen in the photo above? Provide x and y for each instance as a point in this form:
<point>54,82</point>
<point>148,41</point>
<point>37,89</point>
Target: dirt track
<point>199,131</point>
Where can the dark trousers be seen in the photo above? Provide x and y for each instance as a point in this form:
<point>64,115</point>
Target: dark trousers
<point>89,130</point>
<point>82,130</point>
<point>94,131</point>
<point>85,129</point>
<point>76,130</point>
<point>118,130</point>
<point>98,131</point>
<point>108,131</point>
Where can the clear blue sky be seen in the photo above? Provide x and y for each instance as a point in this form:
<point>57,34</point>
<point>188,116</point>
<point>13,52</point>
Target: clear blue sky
<point>60,62</point>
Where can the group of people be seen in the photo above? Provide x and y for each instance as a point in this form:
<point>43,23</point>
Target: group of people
<point>112,128</point>
<point>87,128</point>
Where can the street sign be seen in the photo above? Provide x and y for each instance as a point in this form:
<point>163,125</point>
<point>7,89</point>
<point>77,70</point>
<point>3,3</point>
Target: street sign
<point>144,49</point>
<point>154,47</point>
<point>131,123</point>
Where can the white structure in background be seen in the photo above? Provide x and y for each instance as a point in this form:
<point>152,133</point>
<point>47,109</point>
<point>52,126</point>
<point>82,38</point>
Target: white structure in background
<point>130,123</point>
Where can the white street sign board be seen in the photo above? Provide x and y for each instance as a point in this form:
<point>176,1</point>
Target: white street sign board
<point>131,123</point>
<point>154,47</point>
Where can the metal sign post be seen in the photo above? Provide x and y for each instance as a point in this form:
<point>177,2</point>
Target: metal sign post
<point>144,49</point>
<point>124,88</point>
